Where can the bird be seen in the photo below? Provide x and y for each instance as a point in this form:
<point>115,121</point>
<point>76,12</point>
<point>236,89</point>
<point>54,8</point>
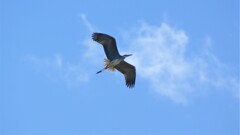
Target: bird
<point>114,59</point>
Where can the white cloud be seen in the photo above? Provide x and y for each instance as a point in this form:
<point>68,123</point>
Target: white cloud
<point>55,68</point>
<point>86,22</point>
<point>161,59</point>
<point>72,73</point>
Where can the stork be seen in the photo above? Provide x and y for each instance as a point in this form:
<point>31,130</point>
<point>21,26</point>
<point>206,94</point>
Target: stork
<point>114,59</point>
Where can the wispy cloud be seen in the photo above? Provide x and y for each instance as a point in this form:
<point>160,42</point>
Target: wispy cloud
<point>162,58</point>
<point>56,68</point>
<point>86,22</point>
<point>72,73</point>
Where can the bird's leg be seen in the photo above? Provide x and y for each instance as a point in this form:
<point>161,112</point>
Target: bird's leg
<point>102,70</point>
<point>108,65</point>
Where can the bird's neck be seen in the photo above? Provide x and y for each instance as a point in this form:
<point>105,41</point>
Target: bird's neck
<point>122,57</point>
<point>115,62</point>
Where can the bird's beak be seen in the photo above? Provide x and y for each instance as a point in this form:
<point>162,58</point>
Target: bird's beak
<point>129,55</point>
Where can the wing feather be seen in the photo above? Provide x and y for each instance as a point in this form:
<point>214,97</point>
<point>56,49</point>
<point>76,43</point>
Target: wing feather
<point>109,44</point>
<point>129,72</point>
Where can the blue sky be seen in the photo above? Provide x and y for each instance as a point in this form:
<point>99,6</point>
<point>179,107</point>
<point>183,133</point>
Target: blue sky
<point>186,54</point>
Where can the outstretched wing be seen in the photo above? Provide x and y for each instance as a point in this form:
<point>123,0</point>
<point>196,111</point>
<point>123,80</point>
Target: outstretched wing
<point>109,44</point>
<point>129,73</point>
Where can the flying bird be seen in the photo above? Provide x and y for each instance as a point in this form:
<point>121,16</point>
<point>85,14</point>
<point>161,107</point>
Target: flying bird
<point>114,59</point>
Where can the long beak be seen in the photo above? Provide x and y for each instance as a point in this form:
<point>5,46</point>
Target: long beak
<point>129,55</point>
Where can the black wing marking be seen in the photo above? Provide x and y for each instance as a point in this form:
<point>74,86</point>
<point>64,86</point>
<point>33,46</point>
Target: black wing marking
<point>109,45</point>
<point>129,72</point>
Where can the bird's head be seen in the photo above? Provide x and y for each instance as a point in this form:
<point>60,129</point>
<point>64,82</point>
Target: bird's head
<point>126,55</point>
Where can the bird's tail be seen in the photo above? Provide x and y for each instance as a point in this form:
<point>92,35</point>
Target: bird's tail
<point>106,63</point>
<point>101,70</point>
